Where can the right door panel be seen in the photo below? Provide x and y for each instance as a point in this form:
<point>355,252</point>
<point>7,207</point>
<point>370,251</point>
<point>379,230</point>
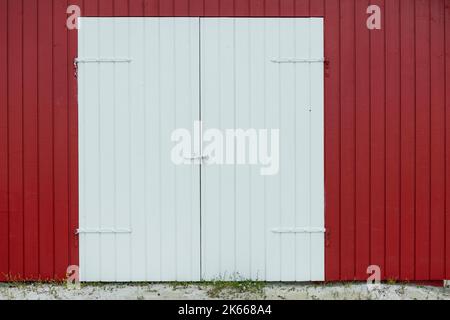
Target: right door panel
<point>262,74</point>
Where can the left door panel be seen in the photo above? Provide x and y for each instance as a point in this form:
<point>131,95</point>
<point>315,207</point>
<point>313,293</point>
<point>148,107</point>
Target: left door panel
<point>138,81</point>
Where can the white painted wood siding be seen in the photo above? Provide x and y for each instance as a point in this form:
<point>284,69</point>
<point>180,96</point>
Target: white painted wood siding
<point>127,112</point>
<point>241,87</point>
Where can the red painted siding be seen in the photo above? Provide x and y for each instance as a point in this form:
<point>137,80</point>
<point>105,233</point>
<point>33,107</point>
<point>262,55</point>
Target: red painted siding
<point>362,142</point>
<point>393,134</point>
<point>30,141</point>
<point>407,132</point>
<point>332,140</point>
<point>4,163</point>
<point>437,139</point>
<point>387,131</point>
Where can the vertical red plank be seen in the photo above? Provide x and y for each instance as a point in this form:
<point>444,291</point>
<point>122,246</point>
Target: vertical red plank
<point>317,8</point>
<point>287,7</point>
<point>347,12</point>
<point>106,8</point>
<point>45,140</point>
<point>377,154</point>
<point>15,134</point>
<point>4,194</point>
<point>447,139</point>
<point>137,7</point>
<point>362,143</point>
<point>151,8</point>
<point>437,32</point>
<point>166,8</point>
<point>212,8</point>
<point>407,144</point>
<point>181,8</point>
<point>60,135</point>
<point>257,8</point>
<point>91,8</point>
<point>272,8</point>
<point>242,8</point>
<point>30,142</point>
<point>73,138</point>
<point>226,8</point>
<point>392,25</point>
<point>121,7</point>
<point>300,8</point>
<point>332,140</point>
<point>422,140</point>
<point>196,8</point>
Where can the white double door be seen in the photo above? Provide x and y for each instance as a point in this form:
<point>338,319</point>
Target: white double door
<point>143,217</point>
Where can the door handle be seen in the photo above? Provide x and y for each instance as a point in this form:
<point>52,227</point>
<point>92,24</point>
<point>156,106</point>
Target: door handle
<point>201,158</point>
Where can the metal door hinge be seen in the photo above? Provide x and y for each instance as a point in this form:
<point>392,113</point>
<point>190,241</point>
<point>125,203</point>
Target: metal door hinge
<point>77,61</point>
<point>299,230</point>
<point>79,231</point>
<point>102,60</point>
<point>75,68</point>
<point>296,60</point>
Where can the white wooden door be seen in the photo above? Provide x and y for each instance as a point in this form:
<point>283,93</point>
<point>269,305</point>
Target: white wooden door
<point>264,74</point>
<point>143,217</point>
<point>139,212</point>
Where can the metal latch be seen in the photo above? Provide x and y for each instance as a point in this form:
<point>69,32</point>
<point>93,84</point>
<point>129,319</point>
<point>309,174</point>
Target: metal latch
<point>197,158</point>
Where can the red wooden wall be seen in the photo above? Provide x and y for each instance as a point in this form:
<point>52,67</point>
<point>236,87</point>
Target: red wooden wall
<point>387,148</point>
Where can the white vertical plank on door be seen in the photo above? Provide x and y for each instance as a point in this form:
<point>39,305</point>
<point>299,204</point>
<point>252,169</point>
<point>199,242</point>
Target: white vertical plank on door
<point>186,78</point>
<point>273,201</point>
<point>287,148</point>
<point>211,197</point>
<point>153,174</point>
<point>168,217</point>
<point>258,106</point>
<point>82,150</point>
<point>195,214</point>
<point>227,95</point>
<point>317,151</point>
<point>89,179</point>
<point>242,121</point>
<point>106,150</point>
<point>302,149</point>
<point>122,150</point>
<point>137,145</point>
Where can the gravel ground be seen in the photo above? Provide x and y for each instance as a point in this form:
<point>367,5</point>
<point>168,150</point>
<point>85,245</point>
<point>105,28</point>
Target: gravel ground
<point>244,291</point>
